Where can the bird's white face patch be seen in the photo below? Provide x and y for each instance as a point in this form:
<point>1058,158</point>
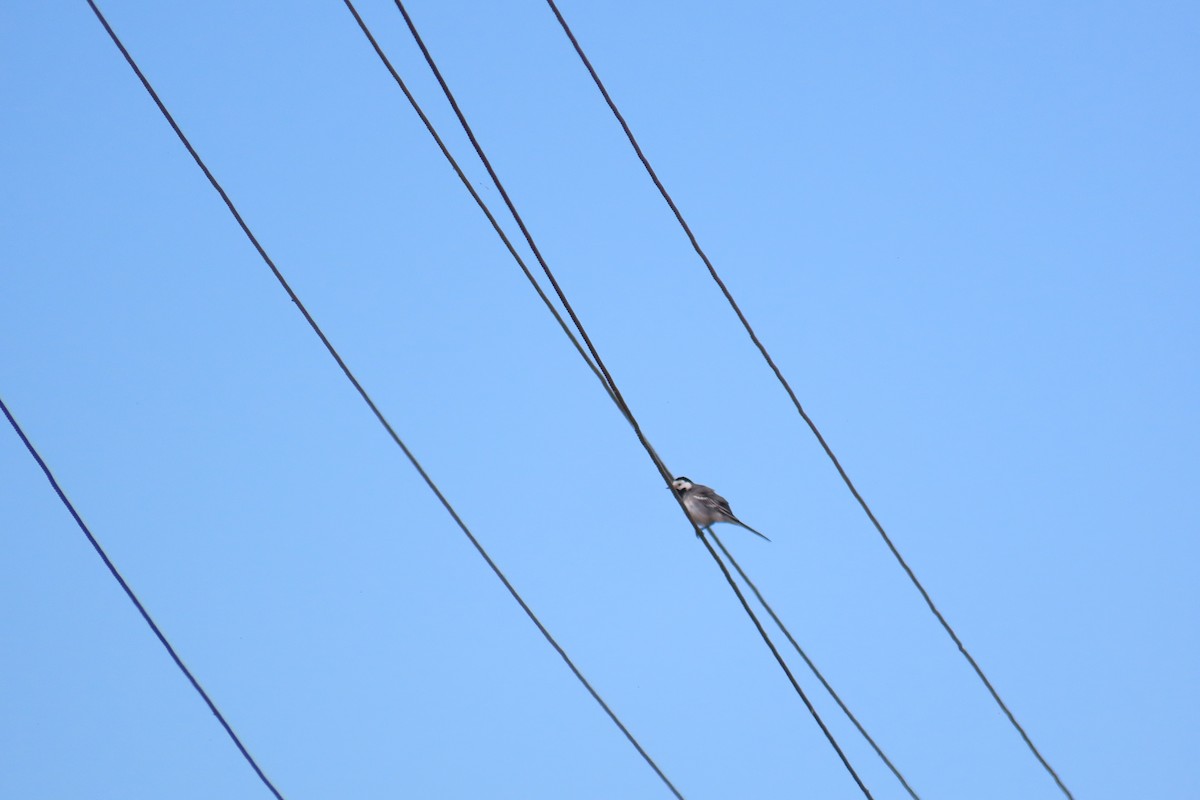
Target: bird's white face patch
<point>682,484</point>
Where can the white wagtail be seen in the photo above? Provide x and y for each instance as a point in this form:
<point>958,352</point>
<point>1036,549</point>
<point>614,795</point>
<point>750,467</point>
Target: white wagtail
<point>704,506</point>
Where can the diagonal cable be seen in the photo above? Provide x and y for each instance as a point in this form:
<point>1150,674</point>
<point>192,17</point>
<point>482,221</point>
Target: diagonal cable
<point>614,390</point>
<point>813,667</point>
<point>783,665</point>
<point>466,182</point>
<point>796,402</point>
<point>371,404</point>
<point>617,397</point>
<point>112,568</point>
<point>499,231</point>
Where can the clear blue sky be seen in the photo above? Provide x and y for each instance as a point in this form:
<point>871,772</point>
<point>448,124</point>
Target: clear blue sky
<point>968,235</point>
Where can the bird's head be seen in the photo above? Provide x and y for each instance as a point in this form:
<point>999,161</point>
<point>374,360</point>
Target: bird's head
<point>682,485</point>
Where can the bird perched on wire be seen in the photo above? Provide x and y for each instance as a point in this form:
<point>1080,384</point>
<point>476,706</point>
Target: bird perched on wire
<point>704,506</point>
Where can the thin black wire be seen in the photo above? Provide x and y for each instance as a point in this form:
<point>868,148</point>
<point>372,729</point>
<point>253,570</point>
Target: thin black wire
<point>845,710</point>
<point>795,401</point>
<point>112,568</point>
<point>615,391</point>
<point>491,219</point>
<point>783,664</point>
<point>371,403</point>
<point>466,182</point>
<point>495,225</point>
<point>532,244</point>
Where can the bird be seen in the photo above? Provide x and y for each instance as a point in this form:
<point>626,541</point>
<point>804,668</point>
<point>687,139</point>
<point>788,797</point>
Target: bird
<point>704,506</point>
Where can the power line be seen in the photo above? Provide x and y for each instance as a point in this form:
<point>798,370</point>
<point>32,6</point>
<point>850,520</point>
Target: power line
<point>795,401</point>
<point>112,568</point>
<point>583,354</point>
<point>466,182</point>
<point>813,667</point>
<point>483,206</point>
<point>783,664</point>
<point>614,392</point>
<point>371,403</point>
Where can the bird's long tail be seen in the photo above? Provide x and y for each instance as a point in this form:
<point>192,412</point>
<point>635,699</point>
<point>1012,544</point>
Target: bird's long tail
<point>756,533</point>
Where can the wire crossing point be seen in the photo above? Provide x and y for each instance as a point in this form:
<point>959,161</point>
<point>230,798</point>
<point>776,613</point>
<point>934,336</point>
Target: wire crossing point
<point>614,391</point>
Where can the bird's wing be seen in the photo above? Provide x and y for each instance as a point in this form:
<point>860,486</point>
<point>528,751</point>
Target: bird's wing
<point>721,506</point>
<point>714,501</point>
